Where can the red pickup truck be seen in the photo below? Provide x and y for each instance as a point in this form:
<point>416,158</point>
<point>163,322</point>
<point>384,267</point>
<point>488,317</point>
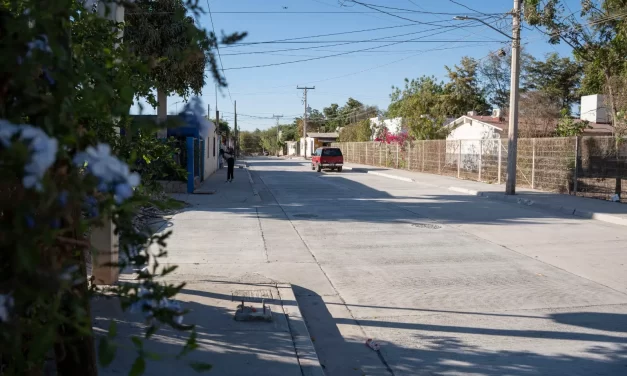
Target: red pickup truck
<point>327,158</point>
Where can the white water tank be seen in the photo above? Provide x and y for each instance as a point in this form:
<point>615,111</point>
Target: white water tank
<point>593,109</point>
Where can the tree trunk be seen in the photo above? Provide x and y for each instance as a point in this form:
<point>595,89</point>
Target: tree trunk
<point>76,354</point>
<point>617,135</point>
<point>162,112</point>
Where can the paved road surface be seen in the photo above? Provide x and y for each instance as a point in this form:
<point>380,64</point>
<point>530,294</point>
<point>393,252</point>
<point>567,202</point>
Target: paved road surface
<point>449,284</point>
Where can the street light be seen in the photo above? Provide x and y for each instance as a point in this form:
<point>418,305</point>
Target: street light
<point>512,135</point>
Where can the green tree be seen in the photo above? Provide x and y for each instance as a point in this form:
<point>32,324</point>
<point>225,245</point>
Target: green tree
<point>462,92</point>
<point>161,32</point>
<point>421,96</point>
<point>559,78</point>
<point>223,129</point>
<point>269,140</point>
<point>356,132</point>
<point>289,132</point>
<point>250,141</point>
<point>67,76</point>
<point>568,127</point>
<point>599,42</point>
<point>494,75</point>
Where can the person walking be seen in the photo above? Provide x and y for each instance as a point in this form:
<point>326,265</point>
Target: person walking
<point>229,156</point>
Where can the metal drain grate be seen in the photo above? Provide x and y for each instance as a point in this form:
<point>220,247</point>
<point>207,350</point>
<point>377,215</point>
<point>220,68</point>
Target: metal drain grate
<point>306,215</point>
<point>427,225</point>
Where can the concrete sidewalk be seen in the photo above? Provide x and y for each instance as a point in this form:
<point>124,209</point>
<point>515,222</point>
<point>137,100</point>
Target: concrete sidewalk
<point>201,241</point>
<point>606,211</point>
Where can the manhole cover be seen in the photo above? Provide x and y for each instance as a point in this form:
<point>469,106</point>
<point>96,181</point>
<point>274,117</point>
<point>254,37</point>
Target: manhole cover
<point>305,215</point>
<point>427,225</point>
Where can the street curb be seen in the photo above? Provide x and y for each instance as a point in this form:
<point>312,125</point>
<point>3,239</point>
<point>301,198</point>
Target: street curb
<point>383,174</point>
<point>305,350</point>
<point>562,209</point>
<point>389,176</point>
<point>252,183</point>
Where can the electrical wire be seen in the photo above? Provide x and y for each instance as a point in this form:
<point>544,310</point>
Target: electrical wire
<point>218,49</point>
<point>429,12</point>
<point>290,40</point>
<point>467,7</point>
<point>349,52</point>
<point>332,45</point>
<point>392,14</point>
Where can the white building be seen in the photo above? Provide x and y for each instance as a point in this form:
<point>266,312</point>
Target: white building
<point>394,125</point>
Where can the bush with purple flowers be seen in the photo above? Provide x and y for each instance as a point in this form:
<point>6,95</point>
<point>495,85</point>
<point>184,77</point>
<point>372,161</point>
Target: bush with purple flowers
<point>67,83</point>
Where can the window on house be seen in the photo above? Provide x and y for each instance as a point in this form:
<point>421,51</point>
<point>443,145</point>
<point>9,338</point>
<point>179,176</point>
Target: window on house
<point>214,146</point>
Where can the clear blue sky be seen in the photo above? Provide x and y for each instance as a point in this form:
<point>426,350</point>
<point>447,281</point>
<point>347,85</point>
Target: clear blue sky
<point>366,75</point>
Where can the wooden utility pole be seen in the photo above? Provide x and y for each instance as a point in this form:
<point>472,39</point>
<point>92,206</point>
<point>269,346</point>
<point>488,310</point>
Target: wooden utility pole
<point>278,134</point>
<point>512,137</point>
<point>235,130</point>
<point>305,118</point>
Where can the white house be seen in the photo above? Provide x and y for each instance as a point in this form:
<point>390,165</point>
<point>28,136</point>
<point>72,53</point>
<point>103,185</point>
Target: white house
<point>292,148</point>
<point>393,125</point>
<point>316,140</point>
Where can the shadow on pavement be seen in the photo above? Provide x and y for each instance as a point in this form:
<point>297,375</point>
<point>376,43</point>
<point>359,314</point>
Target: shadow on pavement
<point>431,352</point>
<point>231,347</point>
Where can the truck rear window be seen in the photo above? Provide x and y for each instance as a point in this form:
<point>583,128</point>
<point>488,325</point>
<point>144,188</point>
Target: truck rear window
<point>331,153</point>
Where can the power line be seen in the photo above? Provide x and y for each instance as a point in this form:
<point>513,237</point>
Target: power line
<point>467,7</point>
<point>391,14</point>
<point>349,52</point>
<point>291,40</point>
<point>326,35</point>
<point>382,39</point>
<point>218,49</point>
<point>403,10</point>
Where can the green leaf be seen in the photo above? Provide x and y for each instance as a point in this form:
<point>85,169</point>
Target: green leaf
<point>106,351</point>
<point>138,367</point>
<point>113,330</point>
<point>137,342</point>
<point>153,356</point>
<point>146,159</point>
<point>151,331</point>
<point>200,366</point>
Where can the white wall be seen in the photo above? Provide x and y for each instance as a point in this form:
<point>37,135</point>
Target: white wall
<point>593,109</point>
<point>473,130</point>
<point>310,145</point>
<point>470,133</point>
<point>291,147</point>
<point>393,125</point>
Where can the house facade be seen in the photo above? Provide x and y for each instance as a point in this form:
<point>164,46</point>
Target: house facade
<point>316,140</point>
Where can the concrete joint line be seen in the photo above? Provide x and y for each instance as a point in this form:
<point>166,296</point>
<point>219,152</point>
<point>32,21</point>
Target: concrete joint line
<point>326,276</point>
<point>263,237</point>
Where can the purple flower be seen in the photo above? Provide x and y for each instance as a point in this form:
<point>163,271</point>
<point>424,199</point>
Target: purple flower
<point>122,192</point>
<point>91,205</point>
<point>43,150</point>
<point>113,175</point>
<point>6,303</point>
<point>30,222</point>
<point>63,197</point>
<point>55,223</point>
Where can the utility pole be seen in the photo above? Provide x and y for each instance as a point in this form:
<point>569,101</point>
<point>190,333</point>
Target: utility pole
<point>305,118</point>
<point>278,140</point>
<point>235,131</point>
<point>512,136</point>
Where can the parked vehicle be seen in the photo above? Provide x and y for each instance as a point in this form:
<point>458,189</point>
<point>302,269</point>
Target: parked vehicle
<point>327,158</point>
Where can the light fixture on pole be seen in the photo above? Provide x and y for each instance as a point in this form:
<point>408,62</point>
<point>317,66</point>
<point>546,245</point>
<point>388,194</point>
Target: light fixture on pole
<point>512,135</point>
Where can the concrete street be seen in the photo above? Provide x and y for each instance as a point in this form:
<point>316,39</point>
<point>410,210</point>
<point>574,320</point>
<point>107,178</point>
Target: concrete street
<point>449,284</point>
